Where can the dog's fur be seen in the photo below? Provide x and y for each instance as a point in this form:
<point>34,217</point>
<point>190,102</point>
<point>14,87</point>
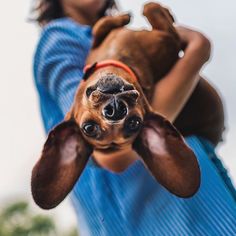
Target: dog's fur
<point>150,54</point>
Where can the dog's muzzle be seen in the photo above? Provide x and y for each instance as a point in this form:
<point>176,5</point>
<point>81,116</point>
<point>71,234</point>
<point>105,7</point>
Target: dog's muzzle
<point>118,96</point>
<point>116,109</point>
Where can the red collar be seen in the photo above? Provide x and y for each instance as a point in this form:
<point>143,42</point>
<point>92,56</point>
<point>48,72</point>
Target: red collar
<point>111,62</point>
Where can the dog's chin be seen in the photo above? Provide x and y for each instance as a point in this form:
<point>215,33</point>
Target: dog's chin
<point>112,148</point>
<point>108,150</point>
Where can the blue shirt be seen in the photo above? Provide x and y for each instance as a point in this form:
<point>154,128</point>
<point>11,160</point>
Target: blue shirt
<point>130,202</point>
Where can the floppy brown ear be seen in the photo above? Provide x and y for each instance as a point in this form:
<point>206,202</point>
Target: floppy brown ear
<point>63,159</point>
<point>167,156</point>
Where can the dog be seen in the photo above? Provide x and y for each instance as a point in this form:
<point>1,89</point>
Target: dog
<point>111,111</point>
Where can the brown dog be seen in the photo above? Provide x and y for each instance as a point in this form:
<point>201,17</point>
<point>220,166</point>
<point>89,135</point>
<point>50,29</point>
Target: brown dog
<point>111,112</point>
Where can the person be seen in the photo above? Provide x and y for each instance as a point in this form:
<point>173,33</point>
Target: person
<point>129,202</point>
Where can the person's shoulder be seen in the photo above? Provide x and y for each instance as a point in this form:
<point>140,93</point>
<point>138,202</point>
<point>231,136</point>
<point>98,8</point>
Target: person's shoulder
<point>62,38</point>
<point>64,26</point>
<point>62,32</point>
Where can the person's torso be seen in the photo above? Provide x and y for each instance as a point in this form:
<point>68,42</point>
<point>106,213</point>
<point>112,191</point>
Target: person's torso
<point>133,203</point>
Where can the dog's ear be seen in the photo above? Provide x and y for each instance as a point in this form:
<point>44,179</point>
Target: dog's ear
<point>167,156</point>
<point>63,159</point>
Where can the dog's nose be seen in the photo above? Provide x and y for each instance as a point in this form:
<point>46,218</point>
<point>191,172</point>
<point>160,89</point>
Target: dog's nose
<point>115,110</point>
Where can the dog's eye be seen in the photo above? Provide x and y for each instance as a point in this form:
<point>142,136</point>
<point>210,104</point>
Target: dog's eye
<point>90,129</point>
<point>133,124</point>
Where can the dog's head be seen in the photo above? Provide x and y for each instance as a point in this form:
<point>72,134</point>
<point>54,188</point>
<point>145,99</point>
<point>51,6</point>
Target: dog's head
<point>109,113</point>
<point>109,108</point>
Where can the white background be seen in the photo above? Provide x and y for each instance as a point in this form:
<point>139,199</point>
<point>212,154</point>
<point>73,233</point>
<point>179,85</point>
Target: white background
<point>21,131</point>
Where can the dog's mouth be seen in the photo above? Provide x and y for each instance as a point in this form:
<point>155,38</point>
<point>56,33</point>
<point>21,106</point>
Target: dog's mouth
<point>108,149</point>
<point>112,147</point>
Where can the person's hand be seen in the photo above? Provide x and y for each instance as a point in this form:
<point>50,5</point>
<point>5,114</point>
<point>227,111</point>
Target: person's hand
<point>195,42</point>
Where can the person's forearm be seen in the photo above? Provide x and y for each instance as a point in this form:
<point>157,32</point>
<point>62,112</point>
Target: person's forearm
<point>173,91</point>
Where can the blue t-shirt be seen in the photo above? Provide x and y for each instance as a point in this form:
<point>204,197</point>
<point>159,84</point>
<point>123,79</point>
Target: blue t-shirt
<point>130,202</point>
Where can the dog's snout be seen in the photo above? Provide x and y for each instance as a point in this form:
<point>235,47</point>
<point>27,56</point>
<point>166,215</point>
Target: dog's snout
<point>115,110</point>
<point>111,84</point>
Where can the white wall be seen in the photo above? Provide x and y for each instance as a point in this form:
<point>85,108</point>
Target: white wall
<point>21,132</point>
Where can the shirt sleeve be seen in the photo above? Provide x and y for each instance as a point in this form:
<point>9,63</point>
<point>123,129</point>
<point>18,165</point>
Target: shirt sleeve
<point>59,62</point>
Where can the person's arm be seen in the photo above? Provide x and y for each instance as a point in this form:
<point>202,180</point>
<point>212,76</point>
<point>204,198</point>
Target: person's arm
<point>59,62</point>
<point>172,92</point>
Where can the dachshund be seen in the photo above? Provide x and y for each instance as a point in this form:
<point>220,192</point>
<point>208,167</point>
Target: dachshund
<point>111,111</point>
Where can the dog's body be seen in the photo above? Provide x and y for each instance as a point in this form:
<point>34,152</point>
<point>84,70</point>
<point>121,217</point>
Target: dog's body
<point>151,54</point>
<point>111,112</point>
